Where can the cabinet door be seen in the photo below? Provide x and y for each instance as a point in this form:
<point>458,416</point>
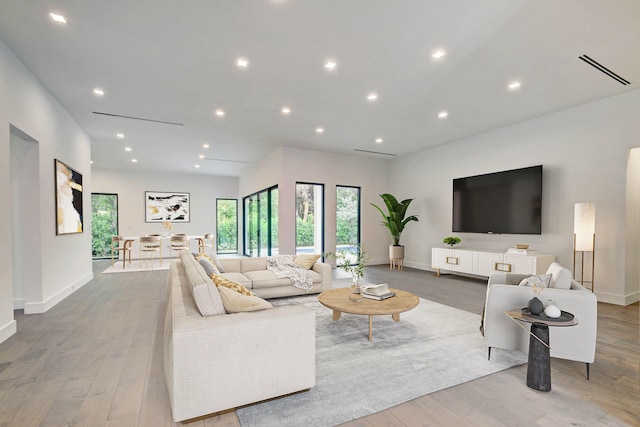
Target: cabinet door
<point>521,264</point>
<point>439,258</point>
<point>489,263</point>
<point>461,261</point>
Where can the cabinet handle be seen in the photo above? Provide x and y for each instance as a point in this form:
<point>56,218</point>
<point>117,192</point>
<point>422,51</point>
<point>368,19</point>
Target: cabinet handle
<point>505,267</point>
<point>452,260</point>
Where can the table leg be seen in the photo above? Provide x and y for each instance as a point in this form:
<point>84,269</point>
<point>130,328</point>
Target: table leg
<point>336,314</point>
<point>370,328</point>
<point>539,364</point>
<point>396,317</point>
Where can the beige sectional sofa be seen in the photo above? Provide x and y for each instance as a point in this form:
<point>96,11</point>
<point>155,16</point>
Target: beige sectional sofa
<point>253,273</point>
<point>207,359</point>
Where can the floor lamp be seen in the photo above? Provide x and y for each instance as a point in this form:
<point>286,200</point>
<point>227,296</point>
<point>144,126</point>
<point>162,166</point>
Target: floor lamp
<point>584,238</point>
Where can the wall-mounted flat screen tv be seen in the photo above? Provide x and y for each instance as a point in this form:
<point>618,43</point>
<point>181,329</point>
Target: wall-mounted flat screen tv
<point>507,202</point>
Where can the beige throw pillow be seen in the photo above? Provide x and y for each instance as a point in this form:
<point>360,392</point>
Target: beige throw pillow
<point>235,302</point>
<point>306,260</point>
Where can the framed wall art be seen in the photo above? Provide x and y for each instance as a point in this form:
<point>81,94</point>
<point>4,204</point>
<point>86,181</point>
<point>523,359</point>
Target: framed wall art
<point>162,206</point>
<point>68,183</point>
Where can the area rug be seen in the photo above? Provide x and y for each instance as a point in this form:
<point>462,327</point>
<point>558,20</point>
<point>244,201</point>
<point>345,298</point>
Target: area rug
<point>135,266</point>
<point>432,347</point>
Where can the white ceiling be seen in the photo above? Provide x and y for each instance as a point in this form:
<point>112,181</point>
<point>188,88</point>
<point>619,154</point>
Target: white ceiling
<point>174,61</point>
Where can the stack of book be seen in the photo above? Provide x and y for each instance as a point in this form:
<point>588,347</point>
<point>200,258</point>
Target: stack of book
<point>378,292</point>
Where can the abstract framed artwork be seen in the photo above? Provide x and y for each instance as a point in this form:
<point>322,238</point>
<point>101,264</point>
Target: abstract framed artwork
<point>162,206</point>
<point>68,199</point>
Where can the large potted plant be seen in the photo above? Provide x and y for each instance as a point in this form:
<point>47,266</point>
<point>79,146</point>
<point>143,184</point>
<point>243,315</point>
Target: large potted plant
<point>394,219</point>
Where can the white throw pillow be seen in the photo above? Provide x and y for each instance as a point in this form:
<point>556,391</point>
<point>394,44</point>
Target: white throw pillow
<point>541,281</point>
<point>560,276</point>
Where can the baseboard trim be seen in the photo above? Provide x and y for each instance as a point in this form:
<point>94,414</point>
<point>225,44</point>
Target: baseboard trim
<point>44,306</point>
<point>18,303</point>
<point>7,330</point>
<point>623,300</point>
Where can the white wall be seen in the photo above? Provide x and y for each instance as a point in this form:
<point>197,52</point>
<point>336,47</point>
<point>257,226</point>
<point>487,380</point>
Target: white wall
<point>633,222</point>
<point>131,186</point>
<point>288,165</point>
<point>584,152</point>
<point>66,260</point>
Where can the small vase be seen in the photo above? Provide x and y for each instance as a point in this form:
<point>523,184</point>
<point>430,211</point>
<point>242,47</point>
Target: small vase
<point>355,293</point>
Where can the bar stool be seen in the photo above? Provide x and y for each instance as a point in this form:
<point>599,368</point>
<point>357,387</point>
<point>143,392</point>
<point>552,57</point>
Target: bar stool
<point>203,245</point>
<point>178,242</point>
<point>149,246</point>
<point>116,249</point>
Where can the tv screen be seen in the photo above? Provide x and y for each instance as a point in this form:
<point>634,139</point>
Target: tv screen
<point>508,202</point>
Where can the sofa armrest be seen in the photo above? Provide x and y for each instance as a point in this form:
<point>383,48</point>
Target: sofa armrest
<point>324,270</point>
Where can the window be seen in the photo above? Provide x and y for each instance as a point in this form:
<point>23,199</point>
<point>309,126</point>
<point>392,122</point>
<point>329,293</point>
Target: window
<point>261,223</point>
<point>226,226</point>
<point>309,218</point>
<point>104,223</point>
<point>348,220</point>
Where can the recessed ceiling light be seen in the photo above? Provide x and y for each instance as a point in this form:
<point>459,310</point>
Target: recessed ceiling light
<point>319,130</point>
<point>514,85</point>
<point>438,54</point>
<point>120,135</point>
<point>91,161</point>
<point>372,96</point>
<point>127,148</point>
<point>134,161</point>
<point>330,65</point>
<point>220,113</point>
<point>58,18</point>
<point>286,110</point>
<point>205,145</point>
<point>378,140</point>
<point>443,114</point>
<point>242,62</point>
<point>201,156</point>
<point>197,166</point>
<point>98,92</point>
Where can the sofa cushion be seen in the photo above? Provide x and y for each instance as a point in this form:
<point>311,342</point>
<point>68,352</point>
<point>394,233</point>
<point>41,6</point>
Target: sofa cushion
<point>231,265</point>
<point>205,294</point>
<point>253,264</point>
<point>209,268</point>
<point>306,260</point>
<point>238,278</point>
<point>266,279</point>
<point>221,281</point>
<point>560,276</point>
<point>235,302</point>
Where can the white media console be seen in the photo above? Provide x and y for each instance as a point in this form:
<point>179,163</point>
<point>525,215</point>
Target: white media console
<point>485,263</point>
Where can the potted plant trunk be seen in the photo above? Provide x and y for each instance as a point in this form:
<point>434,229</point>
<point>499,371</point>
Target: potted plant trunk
<point>395,221</point>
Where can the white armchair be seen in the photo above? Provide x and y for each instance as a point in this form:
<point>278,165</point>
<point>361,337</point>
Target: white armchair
<point>573,343</point>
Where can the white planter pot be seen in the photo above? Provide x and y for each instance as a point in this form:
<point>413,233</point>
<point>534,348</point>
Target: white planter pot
<point>396,252</point>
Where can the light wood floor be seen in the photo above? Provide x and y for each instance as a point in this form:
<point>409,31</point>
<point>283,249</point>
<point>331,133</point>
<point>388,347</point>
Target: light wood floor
<point>95,360</point>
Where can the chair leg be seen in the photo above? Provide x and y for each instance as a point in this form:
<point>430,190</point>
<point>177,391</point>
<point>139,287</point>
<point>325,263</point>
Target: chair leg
<point>489,354</point>
<point>587,371</point>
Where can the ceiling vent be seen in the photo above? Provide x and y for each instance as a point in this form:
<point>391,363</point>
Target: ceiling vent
<point>138,118</point>
<point>225,160</point>
<point>604,70</point>
<point>374,152</point>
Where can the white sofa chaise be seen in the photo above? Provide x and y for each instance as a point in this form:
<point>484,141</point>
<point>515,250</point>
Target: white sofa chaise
<point>218,362</point>
<point>573,343</point>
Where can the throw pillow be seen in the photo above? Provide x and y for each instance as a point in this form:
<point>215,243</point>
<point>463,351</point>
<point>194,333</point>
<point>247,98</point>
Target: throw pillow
<point>306,260</point>
<point>213,261</point>
<point>541,281</point>
<point>235,302</point>
<point>209,268</point>
<point>221,281</point>
<point>560,276</point>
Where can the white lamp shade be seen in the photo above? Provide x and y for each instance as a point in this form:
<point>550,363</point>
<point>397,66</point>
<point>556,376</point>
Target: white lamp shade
<point>584,226</point>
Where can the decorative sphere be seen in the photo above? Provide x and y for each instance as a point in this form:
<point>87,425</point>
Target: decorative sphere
<point>535,306</point>
<point>552,311</point>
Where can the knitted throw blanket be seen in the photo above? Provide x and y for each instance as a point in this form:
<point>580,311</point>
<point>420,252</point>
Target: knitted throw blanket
<point>283,266</point>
